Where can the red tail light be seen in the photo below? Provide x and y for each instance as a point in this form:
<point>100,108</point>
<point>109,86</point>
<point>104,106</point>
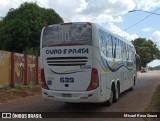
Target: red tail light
<point>94,83</point>
<point>44,84</point>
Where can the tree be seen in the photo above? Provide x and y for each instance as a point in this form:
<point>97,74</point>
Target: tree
<point>20,29</point>
<point>147,50</point>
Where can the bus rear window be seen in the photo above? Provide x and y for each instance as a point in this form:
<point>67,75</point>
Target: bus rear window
<point>75,33</point>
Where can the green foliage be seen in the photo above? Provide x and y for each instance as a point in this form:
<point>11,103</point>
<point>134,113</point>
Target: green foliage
<point>31,51</point>
<point>7,86</point>
<point>20,29</point>
<point>147,50</point>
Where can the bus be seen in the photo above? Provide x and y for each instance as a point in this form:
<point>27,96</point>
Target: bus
<point>83,62</point>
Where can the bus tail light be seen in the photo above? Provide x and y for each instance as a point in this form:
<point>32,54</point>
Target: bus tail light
<point>94,83</point>
<point>44,84</point>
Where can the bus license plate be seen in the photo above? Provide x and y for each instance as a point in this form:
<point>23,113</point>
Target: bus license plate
<point>66,95</point>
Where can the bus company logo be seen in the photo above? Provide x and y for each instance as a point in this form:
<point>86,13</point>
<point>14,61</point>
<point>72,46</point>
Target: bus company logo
<point>6,115</point>
<point>68,51</point>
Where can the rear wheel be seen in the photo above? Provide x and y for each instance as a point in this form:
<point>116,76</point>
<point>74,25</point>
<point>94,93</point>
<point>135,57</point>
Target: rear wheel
<point>132,88</point>
<point>116,93</point>
<point>110,101</point>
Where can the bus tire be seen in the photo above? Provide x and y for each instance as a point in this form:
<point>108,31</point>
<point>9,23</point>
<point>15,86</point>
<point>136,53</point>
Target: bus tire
<point>110,101</point>
<point>116,93</point>
<point>132,88</point>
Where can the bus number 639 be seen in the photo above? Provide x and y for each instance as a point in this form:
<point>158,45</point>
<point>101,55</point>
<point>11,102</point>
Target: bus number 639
<point>67,80</point>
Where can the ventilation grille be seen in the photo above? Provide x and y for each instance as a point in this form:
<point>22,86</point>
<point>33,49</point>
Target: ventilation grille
<point>67,61</point>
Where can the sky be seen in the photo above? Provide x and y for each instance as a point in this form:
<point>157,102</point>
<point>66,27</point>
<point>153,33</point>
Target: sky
<point>113,15</point>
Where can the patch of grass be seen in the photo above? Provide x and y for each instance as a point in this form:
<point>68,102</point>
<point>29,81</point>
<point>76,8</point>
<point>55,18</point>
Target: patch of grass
<point>6,87</point>
<point>154,105</point>
<point>8,94</point>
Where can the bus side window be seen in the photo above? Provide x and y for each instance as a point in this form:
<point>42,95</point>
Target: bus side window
<point>112,45</point>
<point>107,39</point>
<point>115,47</point>
<point>123,51</point>
<point>109,50</point>
<point>106,49</point>
<point>103,42</point>
<point>127,52</point>
<point>118,50</point>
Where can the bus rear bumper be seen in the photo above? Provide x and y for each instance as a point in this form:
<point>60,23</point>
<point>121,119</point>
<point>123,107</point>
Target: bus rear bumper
<point>70,96</point>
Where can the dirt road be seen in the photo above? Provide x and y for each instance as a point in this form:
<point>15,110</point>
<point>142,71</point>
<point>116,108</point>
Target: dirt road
<point>130,101</point>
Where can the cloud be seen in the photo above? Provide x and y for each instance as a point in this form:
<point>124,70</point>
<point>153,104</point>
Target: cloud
<point>66,9</point>
<point>147,29</point>
<point>147,5</point>
<point>71,11</point>
<point>120,32</point>
<point>156,37</point>
<point>98,19</point>
<point>83,5</point>
<point>104,11</point>
<point>110,7</point>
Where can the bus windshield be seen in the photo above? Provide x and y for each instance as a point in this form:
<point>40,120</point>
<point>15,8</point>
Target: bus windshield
<point>74,33</point>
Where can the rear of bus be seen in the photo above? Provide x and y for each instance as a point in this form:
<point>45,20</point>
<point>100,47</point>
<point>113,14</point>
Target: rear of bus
<point>67,70</point>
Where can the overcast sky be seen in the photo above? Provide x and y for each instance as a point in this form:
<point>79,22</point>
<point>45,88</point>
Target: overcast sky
<point>111,14</point>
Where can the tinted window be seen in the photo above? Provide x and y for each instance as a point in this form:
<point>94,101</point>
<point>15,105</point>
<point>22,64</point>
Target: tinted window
<point>67,33</point>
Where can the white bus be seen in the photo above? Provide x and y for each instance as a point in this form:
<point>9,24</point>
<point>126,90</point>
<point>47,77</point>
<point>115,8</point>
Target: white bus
<point>83,62</point>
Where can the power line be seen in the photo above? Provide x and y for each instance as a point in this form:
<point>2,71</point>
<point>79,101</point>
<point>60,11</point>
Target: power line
<point>46,6</point>
<point>141,19</point>
<point>39,3</point>
<point>14,2</point>
<point>144,11</point>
